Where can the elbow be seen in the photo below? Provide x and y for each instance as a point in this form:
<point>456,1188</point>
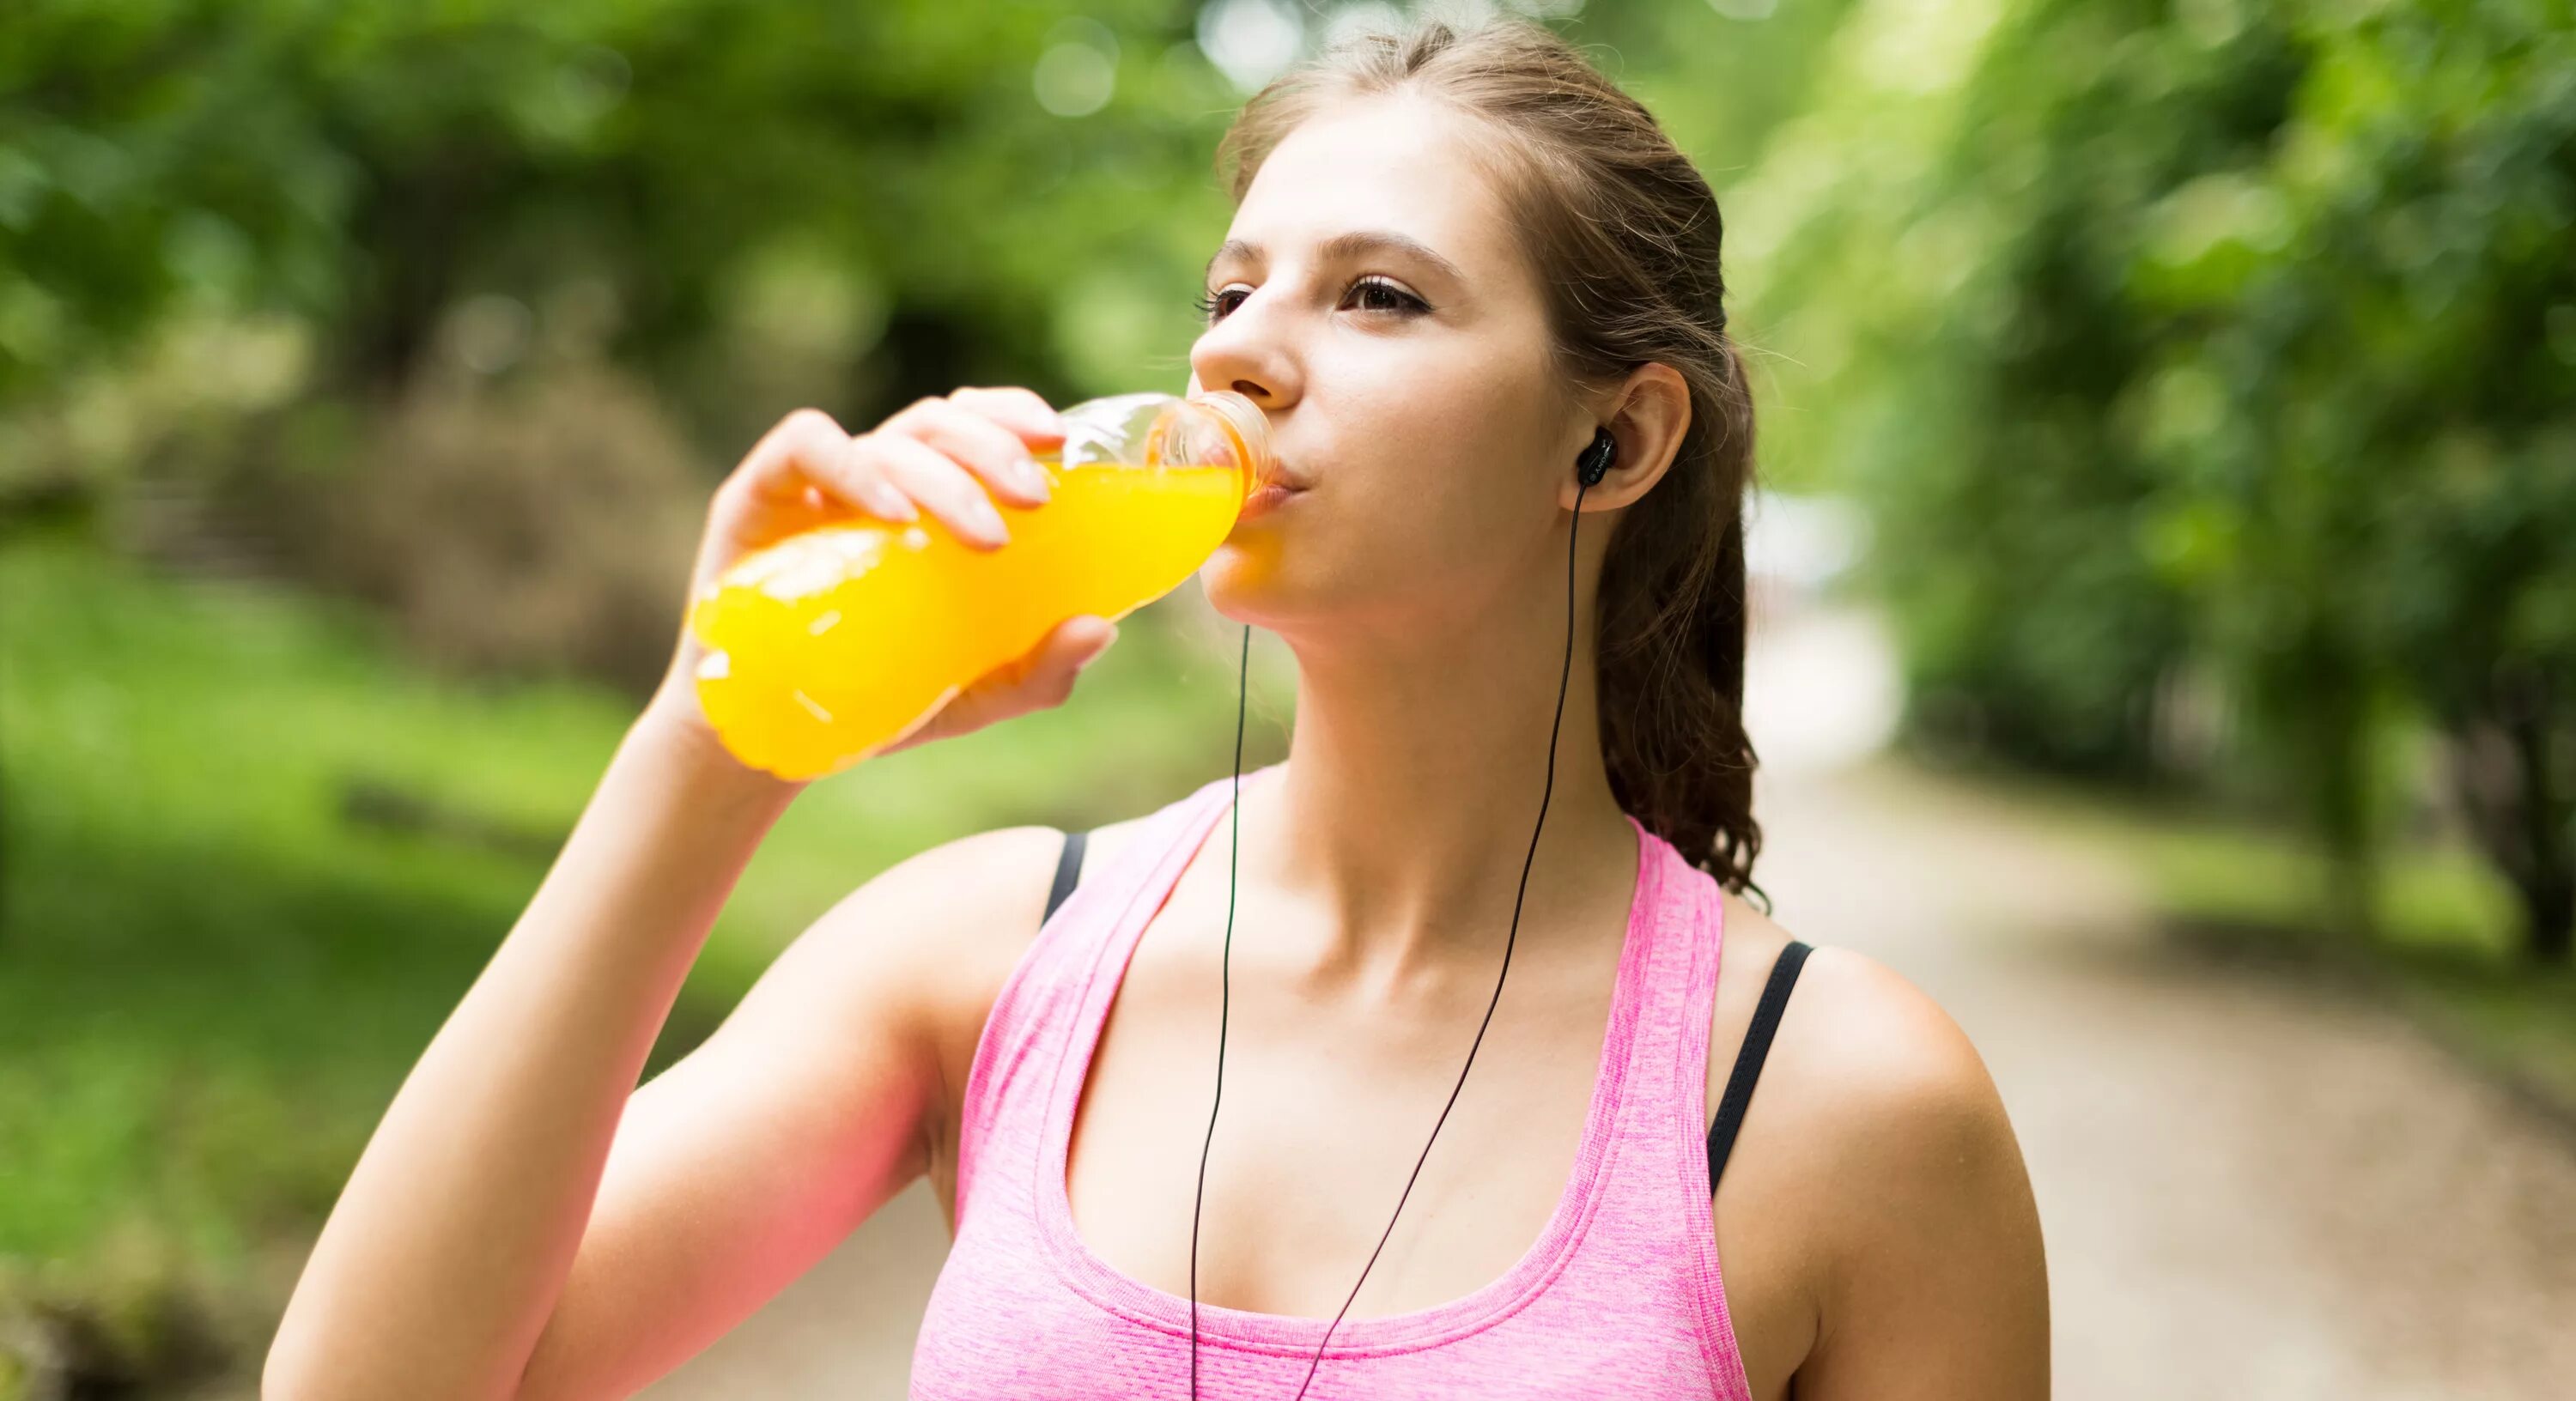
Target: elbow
<point>298,1368</point>
<point>286,1374</point>
<point>295,1371</point>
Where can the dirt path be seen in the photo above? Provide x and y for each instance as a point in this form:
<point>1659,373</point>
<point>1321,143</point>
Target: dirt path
<point>2252,1187</point>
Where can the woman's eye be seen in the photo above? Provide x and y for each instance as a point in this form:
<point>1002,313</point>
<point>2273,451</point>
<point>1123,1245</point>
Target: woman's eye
<point>1378,294</point>
<point>1367,294</point>
<point>1214,308</point>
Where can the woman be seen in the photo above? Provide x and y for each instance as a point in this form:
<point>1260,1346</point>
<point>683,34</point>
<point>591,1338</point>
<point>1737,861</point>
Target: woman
<point>1456,261</point>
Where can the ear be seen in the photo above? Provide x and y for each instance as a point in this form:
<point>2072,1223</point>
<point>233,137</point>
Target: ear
<point>1648,413</point>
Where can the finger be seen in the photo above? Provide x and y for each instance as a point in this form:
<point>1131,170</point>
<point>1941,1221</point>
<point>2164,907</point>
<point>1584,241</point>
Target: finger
<point>1046,675</point>
<point>1043,677</point>
<point>853,477</point>
<point>1090,633</point>
<point>1073,644</point>
<point>807,461</point>
<point>989,450</point>
<point>945,489</point>
<point>792,456</point>
<point>1020,410</point>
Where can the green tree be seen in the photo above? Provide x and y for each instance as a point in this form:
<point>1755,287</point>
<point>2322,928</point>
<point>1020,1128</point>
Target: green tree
<point>2233,334</point>
<point>368,167</point>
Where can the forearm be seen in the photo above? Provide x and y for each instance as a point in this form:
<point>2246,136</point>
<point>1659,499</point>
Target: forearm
<point>451,1242</point>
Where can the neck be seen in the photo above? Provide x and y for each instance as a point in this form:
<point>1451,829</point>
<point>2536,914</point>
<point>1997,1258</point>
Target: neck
<point>1403,817</point>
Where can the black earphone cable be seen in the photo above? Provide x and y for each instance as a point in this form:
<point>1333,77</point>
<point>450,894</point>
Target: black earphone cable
<point>1594,463</point>
<point>1225,997</point>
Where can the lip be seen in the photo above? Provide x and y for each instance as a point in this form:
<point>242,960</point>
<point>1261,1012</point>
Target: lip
<point>1282,475</point>
<point>1269,496</point>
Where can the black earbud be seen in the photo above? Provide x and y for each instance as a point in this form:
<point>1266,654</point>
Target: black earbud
<point>1595,462</point>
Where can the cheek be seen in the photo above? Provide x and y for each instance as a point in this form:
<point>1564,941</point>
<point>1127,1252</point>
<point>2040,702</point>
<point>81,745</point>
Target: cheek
<point>1379,553</point>
<point>1437,526</point>
<point>1431,484</point>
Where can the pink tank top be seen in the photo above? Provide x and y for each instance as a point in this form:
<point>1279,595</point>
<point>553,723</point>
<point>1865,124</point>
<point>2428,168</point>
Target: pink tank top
<point>1618,1298</point>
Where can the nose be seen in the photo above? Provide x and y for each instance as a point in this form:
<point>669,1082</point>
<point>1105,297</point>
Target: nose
<point>1248,353</point>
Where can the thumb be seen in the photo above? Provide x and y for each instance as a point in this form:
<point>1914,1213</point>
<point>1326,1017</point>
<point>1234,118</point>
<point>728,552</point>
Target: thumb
<point>1042,678</point>
<point>1090,637</point>
<point>1047,675</point>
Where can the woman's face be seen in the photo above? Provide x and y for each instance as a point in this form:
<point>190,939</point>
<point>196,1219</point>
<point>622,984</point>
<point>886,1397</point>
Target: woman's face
<point>1371,299</point>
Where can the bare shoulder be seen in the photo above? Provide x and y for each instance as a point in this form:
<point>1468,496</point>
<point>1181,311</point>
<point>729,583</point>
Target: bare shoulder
<point>999,882</point>
<point>940,931</point>
<point>1863,1062</point>
<point>933,938</point>
<point>1876,1180</point>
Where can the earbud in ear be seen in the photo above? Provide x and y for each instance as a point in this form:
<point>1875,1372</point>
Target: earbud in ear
<point>1595,462</point>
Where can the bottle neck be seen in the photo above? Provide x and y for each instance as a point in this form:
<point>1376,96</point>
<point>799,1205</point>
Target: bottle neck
<point>1248,428</point>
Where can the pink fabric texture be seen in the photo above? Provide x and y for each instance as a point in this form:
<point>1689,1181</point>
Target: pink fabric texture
<point>1619,1297</point>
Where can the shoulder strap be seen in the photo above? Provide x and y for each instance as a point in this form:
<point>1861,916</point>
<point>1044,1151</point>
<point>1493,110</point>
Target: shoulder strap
<point>1068,872</point>
<point>1748,1062</point>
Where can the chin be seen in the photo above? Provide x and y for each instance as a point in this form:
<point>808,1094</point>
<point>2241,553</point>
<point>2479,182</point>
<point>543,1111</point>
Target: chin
<point>1245,582</point>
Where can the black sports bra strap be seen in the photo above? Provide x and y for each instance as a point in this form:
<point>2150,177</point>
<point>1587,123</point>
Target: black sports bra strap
<point>1748,1062</point>
<point>1068,872</point>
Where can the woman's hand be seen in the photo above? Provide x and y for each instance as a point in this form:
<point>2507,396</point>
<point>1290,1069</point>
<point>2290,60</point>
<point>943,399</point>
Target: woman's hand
<point>938,456</point>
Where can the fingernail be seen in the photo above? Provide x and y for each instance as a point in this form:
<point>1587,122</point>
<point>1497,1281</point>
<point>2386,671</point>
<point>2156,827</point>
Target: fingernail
<point>1030,479</point>
<point>890,503</point>
<point>987,520</point>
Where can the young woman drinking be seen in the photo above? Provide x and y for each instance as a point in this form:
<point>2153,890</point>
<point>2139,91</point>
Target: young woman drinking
<point>1474,962</point>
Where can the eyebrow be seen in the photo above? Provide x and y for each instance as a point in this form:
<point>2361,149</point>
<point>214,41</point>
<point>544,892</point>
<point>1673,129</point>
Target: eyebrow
<point>1343,246</point>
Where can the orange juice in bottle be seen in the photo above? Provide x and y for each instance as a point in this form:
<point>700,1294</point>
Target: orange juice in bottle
<point>831,645</point>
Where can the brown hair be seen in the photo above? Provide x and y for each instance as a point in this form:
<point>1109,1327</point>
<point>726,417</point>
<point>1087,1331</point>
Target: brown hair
<point>1624,233</point>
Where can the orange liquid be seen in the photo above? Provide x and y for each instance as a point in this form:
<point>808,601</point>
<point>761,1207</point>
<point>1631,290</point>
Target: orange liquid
<point>832,644</point>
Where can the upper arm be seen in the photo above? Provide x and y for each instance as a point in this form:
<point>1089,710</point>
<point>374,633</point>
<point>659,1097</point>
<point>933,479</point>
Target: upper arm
<point>743,1164</point>
<point>1932,1279</point>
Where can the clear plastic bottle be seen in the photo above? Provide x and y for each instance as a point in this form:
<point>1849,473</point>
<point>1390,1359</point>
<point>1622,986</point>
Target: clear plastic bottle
<point>832,644</point>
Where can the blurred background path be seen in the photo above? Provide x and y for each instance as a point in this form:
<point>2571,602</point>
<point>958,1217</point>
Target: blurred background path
<point>2252,1185</point>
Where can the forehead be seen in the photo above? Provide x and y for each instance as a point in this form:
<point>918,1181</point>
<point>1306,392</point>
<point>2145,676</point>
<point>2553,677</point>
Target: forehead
<point>1400,164</point>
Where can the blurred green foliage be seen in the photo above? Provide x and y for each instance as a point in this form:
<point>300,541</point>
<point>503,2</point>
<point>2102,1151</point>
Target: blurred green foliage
<point>367,168</point>
<point>2213,348</point>
<point>914,194</point>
